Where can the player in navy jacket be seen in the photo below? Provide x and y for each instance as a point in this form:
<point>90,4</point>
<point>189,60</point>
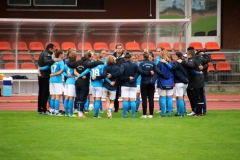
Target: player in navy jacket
<point>147,84</point>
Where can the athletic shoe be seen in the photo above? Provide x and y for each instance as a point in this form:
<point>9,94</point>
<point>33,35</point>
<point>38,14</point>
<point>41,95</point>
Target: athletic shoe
<point>109,114</point>
<point>101,111</point>
<point>66,115</point>
<point>159,111</point>
<point>87,111</point>
<point>52,114</point>
<point>58,115</point>
<point>45,113</point>
<point>82,116</point>
<point>73,116</point>
<point>150,116</point>
<point>191,113</point>
<point>97,117</point>
<point>143,116</point>
<point>199,114</point>
<point>39,112</point>
<point>75,111</point>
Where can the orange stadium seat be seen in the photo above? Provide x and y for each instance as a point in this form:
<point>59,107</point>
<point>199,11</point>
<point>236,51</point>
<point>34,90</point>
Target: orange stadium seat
<point>28,65</point>
<point>112,46</point>
<point>151,46</point>
<point>87,46</point>
<point>10,65</point>
<point>212,46</point>
<point>22,46</point>
<point>223,66</point>
<point>218,57</point>
<point>165,45</point>
<point>211,67</point>
<point>196,45</point>
<point>8,57</point>
<point>67,45</point>
<point>36,46</point>
<point>24,56</point>
<point>132,46</point>
<point>56,44</point>
<point>5,46</point>
<point>176,46</point>
<point>100,45</point>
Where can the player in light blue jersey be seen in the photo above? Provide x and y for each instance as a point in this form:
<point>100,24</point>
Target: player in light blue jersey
<point>69,92</point>
<point>135,58</point>
<point>56,86</point>
<point>159,51</point>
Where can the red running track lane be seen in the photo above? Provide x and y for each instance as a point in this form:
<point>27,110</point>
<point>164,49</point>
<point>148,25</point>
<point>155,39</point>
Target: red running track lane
<point>210,106</point>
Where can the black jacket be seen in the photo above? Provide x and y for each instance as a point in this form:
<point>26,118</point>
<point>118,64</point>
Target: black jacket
<point>119,60</point>
<point>45,59</point>
<point>195,80</point>
<point>203,59</point>
<point>81,66</point>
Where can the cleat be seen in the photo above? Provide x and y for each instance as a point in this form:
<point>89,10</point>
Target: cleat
<point>143,116</point>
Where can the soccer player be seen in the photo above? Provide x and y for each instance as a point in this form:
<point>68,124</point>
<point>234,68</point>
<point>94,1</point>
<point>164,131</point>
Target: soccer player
<point>55,85</point>
<point>69,92</point>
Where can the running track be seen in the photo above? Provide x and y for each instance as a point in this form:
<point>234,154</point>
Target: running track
<point>214,102</point>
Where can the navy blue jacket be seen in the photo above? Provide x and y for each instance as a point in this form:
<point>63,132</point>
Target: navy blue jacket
<point>128,69</point>
<point>111,68</point>
<point>180,72</point>
<point>147,65</point>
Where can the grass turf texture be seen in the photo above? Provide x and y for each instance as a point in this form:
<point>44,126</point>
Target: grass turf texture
<point>26,135</point>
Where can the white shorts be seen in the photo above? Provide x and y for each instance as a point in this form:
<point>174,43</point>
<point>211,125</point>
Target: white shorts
<point>55,88</point>
<point>70,90</point>
<point>128,92</point>
<point>165,93</point>
<point>90,89</point>
<point>109,94</point>
<point>181,89</point>
<point>97,91</point>
<point>138,89</point>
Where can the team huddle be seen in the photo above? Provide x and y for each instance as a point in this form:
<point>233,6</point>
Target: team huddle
<point>122,75</point>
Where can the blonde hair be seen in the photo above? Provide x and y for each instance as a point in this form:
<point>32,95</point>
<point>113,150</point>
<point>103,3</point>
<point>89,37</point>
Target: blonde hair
<point>165,56</point>
<point>70,50</point>
<point>88,55</point>
<point>145,54</point>
<point>72,56</point>
<point>99,56</point>
<point>110,60</point>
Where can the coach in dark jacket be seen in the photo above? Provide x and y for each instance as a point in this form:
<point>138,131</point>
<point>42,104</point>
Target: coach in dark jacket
<point>119,58</point>
<point>45,59</point>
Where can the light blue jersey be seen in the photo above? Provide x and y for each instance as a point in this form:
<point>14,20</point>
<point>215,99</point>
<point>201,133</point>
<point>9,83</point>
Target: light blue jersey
<point>97,71</point>
<point>139,77</point>
<point>105,61</point>
<point>56,67</point>
<point>158,58</point>
<point>68,71</point>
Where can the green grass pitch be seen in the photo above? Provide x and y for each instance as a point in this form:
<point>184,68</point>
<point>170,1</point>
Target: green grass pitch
<point>26,135</point>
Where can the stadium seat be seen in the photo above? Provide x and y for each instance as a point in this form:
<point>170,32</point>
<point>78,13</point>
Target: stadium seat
<point>176,46</point>
<point>67,45</point>
<point>212,33</point>
<point>151,46</point>
<point>10,65</point>
<point>24,56</point>
<point>28,65</point>
<point>56,44</point>
<point>165,45</point>
<point>212,46</point>
<point>87,46</point>
<point>100,45</point>
<point>132,46</point>
<point>36,46</point>
<point>112,46</point>
<point>218,57</point>
<point>5,46</point>
<point>196,45</point>
<point>211,67</point>
<point>22,46</point>
<point>201,33</point>
<point>223,67</point>
<point>9,57</point>
<point>36,56</point>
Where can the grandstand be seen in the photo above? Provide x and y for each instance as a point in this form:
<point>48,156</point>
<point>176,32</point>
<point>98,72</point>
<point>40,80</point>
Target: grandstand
<point>23,39</point>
